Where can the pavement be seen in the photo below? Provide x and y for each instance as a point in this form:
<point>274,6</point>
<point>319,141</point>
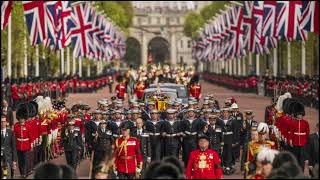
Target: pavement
<point>245,101</point>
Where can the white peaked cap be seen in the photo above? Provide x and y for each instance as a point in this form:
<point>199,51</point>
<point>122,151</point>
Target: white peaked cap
<point>263,128</point>
<point>234,106</point>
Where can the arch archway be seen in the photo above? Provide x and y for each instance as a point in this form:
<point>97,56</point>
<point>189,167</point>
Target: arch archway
<point>133,52</point>
<point>158,48</point>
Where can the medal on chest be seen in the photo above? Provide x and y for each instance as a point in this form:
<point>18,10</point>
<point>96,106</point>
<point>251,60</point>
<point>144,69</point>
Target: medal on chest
<point>202,162</point>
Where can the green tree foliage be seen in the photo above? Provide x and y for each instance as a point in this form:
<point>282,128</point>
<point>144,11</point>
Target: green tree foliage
<point>210,10</point>
<point>192,23</point>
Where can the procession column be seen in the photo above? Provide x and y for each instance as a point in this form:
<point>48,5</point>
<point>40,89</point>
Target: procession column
<point>239,66</point>
<point>230,66</point>
<point>243,66</point>
<point>257,65</point>
<point>250,63</point>
<point>80,66</point>
<point>73,64</point>
<point>25,62</point>
<point>226,67</point>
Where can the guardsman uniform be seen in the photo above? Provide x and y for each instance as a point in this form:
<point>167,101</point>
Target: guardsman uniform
<point>128,156</point>
<point>121,90</point>
<point>170,132</point>
<point>204,164</point>
<point>195,90</point>
<point>139,90</point>
<point>16,96</point>
<point>72,143</point>
<point>23,134</point>
<point>154,128</point>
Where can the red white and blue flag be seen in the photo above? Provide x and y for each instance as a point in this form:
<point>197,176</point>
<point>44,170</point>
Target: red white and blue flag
<point>63,24</point>
<point>269,24</point>
<point>6,7</point>
<point>310,16</point>
<point>289,20</point>
<point>81,29</point>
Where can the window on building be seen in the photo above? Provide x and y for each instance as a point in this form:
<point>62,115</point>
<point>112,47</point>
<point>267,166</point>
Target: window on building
<point>189,44</point>
<point>181,43</point>
<point>181,59</point>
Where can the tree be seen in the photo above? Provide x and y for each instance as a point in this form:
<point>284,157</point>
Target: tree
<point>192,23</point>
<point>212,9</point>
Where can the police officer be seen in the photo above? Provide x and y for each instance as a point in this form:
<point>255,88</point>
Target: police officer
<point>72,143</point>
<point>249,125</point>
<point>102,142</point>
<point>170,132</point>
<point>189,130</point>
<point>153,126</point>
<point>227,125</point>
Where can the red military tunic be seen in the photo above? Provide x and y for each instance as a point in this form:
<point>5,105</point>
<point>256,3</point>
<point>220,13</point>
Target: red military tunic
<point>204,165</point>
<point>299,132</point>
<point>23,136</point>
<point>15,92</point>
<point>127,155</point>
<point>195,90</point>
<point>80,125</point>
<point>140,90</point>
<point>121,90</point>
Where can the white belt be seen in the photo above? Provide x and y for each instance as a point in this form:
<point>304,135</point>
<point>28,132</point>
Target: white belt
<point>19,139</point>
<point>299,134</point>
<point>171,135</point>
<point>144,135</point>
<point>227,133</point>
<point>194,133</point>
<point>154,134</point>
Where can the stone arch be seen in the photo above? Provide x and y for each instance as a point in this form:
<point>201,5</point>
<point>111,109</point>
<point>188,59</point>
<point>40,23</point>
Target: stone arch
<point>133,52</point>
<point>159,49</point>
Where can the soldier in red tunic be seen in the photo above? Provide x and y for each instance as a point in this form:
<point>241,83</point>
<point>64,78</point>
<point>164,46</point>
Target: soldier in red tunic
<point>195,88</point>
<point>128,158</point>
<point>139,90</point>
<point>121,90</point>
<point>204,163</point>
<point>22,132</point>
<point>299,132</point>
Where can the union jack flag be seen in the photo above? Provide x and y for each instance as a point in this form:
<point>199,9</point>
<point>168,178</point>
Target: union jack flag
<point>248,23</point>
<point>64,22</point>
<point>6,7</point>
<point>34,12</point>
<point>97,33</point>
<point>50,19</point>
<point>289,20</point>
<point>257,13</point>
<point>310,16</point>
<point>81,30</point>
<point>269,24</point>
<point>236,41</point>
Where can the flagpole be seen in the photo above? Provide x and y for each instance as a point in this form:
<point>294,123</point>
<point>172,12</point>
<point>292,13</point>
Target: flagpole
<point>37,61</point>
<point>289,57</point>
<point>257,65</point>
<point>239,66</point>
<point>62,61</point>
<point>275,62</point>
<point>73,64</point>
<point>80,66</point>
<point>243,66</point>
<point>230,66</point>
<point>226,67</point>
<point>88,69</point>
<point>68,61</point>
<point>250,61</point>
<point>9,64</point>
<point>25,62</point>
<point>303,58</point>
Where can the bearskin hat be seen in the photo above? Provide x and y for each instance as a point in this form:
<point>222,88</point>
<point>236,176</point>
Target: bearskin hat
<point>22,112</point>
<point>32,109</point>
<point>298,109</point>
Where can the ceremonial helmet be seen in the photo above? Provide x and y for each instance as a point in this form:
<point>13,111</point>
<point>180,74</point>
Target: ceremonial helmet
<point>263,128</point>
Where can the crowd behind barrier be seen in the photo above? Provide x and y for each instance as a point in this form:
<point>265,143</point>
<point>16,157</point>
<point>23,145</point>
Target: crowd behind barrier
<point>306,89</point>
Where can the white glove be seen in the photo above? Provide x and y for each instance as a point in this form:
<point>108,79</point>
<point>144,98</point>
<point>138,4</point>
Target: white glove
<point>138,170</point>
<point>115,172</point>
<point>148,159</point>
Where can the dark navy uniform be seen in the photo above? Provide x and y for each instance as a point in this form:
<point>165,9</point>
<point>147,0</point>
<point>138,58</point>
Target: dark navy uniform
<point>237,119</point>
<point>72,143</point>
<point>154,129</point>
<point>170,132</point>
<point>145,146</point>
<point>215,134</point>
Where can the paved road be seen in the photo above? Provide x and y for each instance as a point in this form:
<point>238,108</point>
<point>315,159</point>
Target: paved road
<point>245,101</point>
